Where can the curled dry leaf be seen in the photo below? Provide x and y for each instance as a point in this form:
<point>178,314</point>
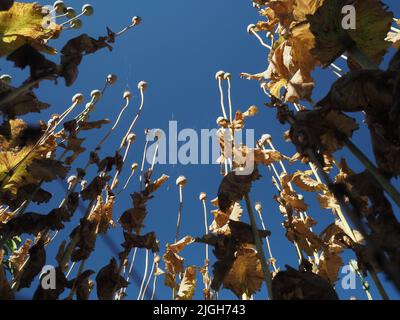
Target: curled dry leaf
<point>188,284</point>
<point>361,90</point>
<point>294,200</point>
<point>303,180</point>
<point>74,144</point>
<point>237,236</point>
<point>245,275</point>
<point>40,67</point>
<point>148,241</point>
<point>296,285</point>
<point>298,230</point>
<point>33,223</point>
<point>5,215</point>
<point>89,125</point>
<point>35,264</point>
<point>95,187</point>
<point>24,103</point>
<point>328,201</point>
<point>84,285</point>
<point>14,166</point>
<point>109,281</point>
<point>86,233</point>
<point>24,23</point>
<point>6,292</point>
<point>174,262</point>
<point>73,52</point>
<point>132,219</point>
<point>330,264</point>
<point>102,213</point>
<point>18,257</point>
<point>233,188</point>
<point>107,164</point>
<point>321,129</point>
<point>221,218</point>
<point>47,169</point>
<point>331,40</point>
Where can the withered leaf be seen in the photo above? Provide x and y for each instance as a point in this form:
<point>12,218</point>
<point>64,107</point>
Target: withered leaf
<point>89,125</point>
<point>19,256</point>
<point>102,213</point>
<point>24,103</point>
<point>73,52</point>
<point>373,23</point>
<point>147,241</point>
<point>368,90</point>
<point>84,285</point>
<point>245,275</point>
<point>40,67</point>
<point>108,163</point>
<point>109,281</point>
<point>226,246</point>
<point>6,292</point>
<point>47,169</point>
<point>95,187</point>
<point>37,260</point>
<point>87,235</point>
<point>296,285</point>
<point>132,219</point>
<point>330,264</point>
<point>299,230</point>
<point>321,129</point>
<point>33,223</point>
<point>234,187</point>
<point>305,182</point>
<point>188,284</point>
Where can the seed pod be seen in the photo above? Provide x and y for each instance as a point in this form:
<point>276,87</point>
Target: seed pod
<point>71,13</point>
<point>131,137</point>
<point>203,196</point>
<point>127,95</point>
<point>265,139</point>
<point>60,7</point>
<point>136,20</point>
<point>95,94</point>
<point>181,181</point>
<point>111,79</point>
<point>142,85</point>
<point>222,122</point>
<point>6,78</point>
<point>227,76</point>
<point>77,24</point>
<point>219,75</point>
<point>134,166</point>
<point>72,179</point>
<point>87,10</point>
<point>250,27</point>
<point>78,98</point>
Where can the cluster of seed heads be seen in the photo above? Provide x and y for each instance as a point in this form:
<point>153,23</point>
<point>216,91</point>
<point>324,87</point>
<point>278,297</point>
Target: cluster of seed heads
<point>74,21</point>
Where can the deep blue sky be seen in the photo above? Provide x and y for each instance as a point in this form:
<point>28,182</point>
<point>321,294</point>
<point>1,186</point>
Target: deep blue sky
<point>177,49</point>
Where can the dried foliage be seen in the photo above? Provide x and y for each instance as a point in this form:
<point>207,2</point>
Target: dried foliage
<point>302,35</point>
